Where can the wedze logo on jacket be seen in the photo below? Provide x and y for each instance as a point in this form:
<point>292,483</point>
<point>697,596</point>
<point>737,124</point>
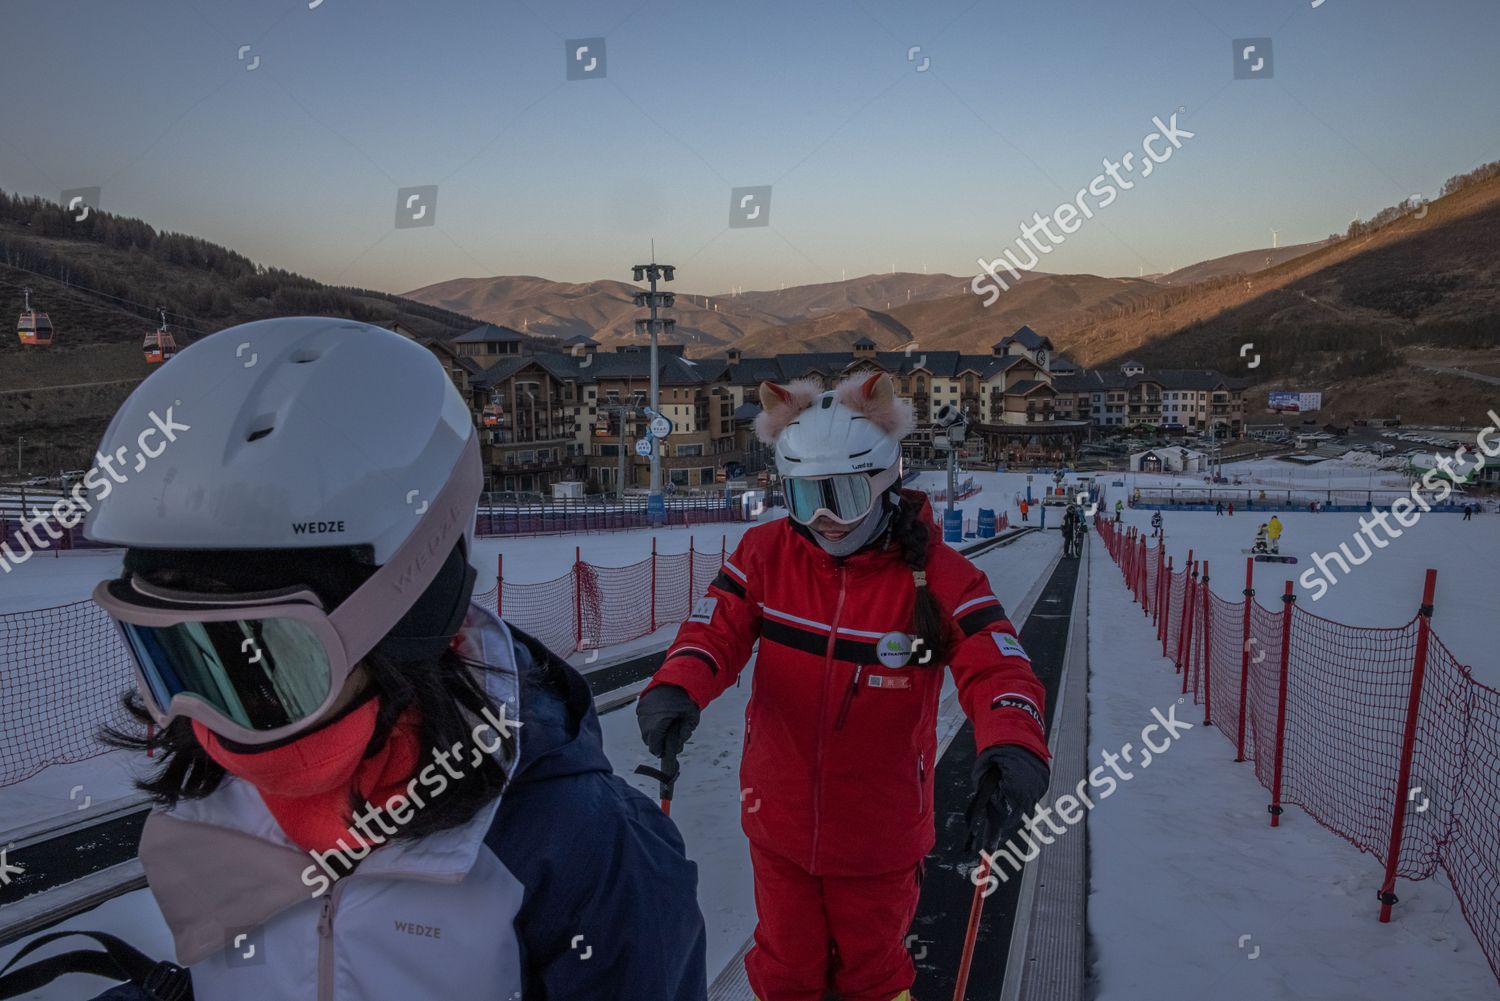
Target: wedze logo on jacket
<point>840,742</point>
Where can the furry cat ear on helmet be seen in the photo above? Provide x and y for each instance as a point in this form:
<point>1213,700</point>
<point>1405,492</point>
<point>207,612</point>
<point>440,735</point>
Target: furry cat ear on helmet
<point>872,396</point>
<point>780,405</point>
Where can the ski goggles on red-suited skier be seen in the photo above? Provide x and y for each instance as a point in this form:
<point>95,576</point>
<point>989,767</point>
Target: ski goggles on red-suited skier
<point>844,497</point>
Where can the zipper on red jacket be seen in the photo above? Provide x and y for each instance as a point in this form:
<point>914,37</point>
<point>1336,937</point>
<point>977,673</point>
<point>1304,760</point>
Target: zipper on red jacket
<point>849,698</point>
<point>833,636</point>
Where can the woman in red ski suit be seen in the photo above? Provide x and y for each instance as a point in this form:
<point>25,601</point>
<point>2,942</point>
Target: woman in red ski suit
<point>858,608</point>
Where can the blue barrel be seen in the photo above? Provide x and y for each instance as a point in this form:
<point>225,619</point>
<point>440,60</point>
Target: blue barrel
<point>986,523</point>
<point>953,525</point>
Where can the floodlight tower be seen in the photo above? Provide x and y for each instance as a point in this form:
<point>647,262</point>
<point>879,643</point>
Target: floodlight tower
<point>656,508</point>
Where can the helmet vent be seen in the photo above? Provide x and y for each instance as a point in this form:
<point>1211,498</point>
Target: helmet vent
<point>261,427</point>
<point>305,355</point>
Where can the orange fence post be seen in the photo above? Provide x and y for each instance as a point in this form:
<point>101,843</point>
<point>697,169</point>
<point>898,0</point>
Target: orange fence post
<point>1185,614</point>
<point>1166,612</point>
<point>1408,743</point>
<point>1249,592</point>
<point>1140,575</point>
<point>500,585</point>
<point>653,583</point>
<point>691,551</point>
<point>577,598</point>
<point>1287,601</point>
<point>1208,688</point>
<point>1189,620</point>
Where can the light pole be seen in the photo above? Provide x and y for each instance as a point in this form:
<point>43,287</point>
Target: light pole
<point>656,508</point>
<point>20,445</point>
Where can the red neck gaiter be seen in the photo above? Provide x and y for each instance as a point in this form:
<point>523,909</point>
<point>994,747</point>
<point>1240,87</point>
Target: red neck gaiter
<point>307,784</point>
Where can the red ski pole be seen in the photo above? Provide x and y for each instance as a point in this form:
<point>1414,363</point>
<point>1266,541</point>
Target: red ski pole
<point>961,987</point>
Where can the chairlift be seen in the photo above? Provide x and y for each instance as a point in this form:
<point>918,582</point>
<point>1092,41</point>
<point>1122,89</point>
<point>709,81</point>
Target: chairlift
<point>34,329</point>
<point>159,345</point>
<point>492,415</point>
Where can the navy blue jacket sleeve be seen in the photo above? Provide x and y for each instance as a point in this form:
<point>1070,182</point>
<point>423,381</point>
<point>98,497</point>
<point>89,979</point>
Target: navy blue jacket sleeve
<point>610,910</point>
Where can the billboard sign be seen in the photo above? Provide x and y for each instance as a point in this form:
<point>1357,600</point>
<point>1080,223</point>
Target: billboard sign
<point>1296,403</point>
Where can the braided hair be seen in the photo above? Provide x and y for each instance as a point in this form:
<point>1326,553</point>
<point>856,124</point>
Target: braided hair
<point>912,533</point>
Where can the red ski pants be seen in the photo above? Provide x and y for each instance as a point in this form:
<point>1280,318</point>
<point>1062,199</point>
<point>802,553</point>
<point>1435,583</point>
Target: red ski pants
<point>816,934</point>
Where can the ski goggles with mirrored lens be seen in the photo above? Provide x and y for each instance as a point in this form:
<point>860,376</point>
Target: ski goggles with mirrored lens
<point>845,497</point>
<point>254,668</point>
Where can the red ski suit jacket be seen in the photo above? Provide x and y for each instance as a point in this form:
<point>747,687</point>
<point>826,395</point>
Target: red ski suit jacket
<point>839,750</point>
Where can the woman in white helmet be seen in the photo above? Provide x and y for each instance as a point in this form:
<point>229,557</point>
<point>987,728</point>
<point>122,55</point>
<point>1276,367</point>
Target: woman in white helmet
<point>368,787</point>
<point>857,608</point>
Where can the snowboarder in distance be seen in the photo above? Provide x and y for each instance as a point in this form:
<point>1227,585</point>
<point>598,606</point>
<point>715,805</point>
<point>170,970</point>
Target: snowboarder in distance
<point>859,607</point>
<point>337,705</point>
<point>1262,544</point>
<point>1273,533</point>
<point>1119,510</point>
<point>1469,512</point>
<point>1155,524</point>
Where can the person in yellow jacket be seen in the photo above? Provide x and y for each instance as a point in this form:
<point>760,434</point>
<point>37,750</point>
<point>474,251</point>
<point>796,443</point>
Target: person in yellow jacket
<point>1273,533</point>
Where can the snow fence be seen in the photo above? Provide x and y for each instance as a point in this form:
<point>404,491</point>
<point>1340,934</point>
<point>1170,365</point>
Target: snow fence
<point>1379,733</point>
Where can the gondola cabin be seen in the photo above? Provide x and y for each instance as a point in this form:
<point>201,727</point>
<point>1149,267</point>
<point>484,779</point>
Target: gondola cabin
<point>159,345</point>
<point>33,329</point>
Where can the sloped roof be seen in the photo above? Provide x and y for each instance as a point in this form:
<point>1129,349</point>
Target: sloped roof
<point>1027,338</point>
<point>1026,387</point>
<point>940,364</point>
<point>489,333</point>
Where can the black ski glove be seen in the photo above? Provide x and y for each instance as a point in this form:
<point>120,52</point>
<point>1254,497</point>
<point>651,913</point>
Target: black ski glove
<point>1009,781</point>
<point>668,717</point>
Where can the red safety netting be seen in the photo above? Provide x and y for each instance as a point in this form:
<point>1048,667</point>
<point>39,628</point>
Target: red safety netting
<point>1379,733</point>
<point>593,606</point>
<point>62,672</point>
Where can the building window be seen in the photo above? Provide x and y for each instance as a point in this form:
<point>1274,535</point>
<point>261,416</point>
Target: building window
<point>683,450</point>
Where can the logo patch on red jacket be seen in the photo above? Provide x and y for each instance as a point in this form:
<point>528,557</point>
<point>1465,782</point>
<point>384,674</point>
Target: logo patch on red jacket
<point>890,681</point>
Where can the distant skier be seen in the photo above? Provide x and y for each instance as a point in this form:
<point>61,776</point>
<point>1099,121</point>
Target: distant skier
<point>1119,510</point>
<point>1024,508</point>
<point>1468,512</point>
<point>1219,508</point>
<point>858,606</point>
<point>1273,533</point>
<point>1155,524</point>
<point>1262,544</point>
<point>1231,509</point>
<point>1072,529</point>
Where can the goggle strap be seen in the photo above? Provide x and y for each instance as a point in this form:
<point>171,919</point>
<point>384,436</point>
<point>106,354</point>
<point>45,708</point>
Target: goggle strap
<point>363,619</point>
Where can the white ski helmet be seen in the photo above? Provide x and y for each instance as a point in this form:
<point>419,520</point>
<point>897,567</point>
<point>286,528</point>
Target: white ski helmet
<point>838,451</point>
<point>299,434</point>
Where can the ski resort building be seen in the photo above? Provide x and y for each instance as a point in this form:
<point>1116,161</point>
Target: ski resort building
<point>1132,395</point>
<point>572,411</point>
